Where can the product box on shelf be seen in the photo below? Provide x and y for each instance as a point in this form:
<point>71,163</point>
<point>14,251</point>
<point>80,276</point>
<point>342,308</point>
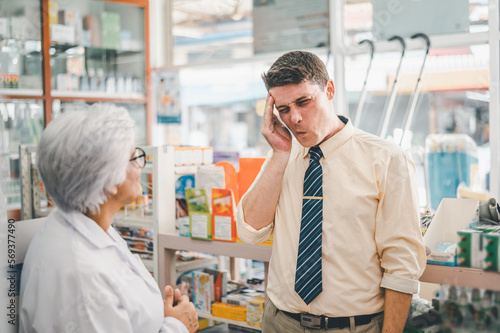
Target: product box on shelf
<point>492,257</point>
<point>92,24</point>
<point>202,291</point>
<point>181,209</point>
<point>200,219</point>
<point>470,248</point>
<point>451,159</point>
<point>4,27</point>
<point>229,311</point>
<point>255,310</point>
<point>110,30</point>
<point>219,279</point>
<point>452,215</point>
<point>223,215</point>
<point>53,12</point>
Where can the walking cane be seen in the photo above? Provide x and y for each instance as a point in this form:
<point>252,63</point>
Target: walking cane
<point>386,117</point>
<point>414,97</point>
<point>361,103</point>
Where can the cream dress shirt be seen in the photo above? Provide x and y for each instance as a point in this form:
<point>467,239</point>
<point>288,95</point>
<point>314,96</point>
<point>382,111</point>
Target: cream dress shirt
<point>371,226</point>
<point>78,278</point>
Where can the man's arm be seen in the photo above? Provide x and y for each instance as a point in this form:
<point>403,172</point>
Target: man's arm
<point>259,203</point>
<point>397,306</point>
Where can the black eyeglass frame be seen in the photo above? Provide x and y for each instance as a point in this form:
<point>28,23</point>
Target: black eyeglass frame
<point>137,158</point>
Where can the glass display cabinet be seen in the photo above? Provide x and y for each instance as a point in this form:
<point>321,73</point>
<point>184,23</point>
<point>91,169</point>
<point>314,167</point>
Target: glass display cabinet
<point>58,55</point>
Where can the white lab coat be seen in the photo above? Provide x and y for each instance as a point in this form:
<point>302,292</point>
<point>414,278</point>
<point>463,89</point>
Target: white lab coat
<point>78,278</point>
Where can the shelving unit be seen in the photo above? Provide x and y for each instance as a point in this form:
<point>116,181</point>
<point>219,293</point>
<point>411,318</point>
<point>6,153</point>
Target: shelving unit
<point>461,276</point>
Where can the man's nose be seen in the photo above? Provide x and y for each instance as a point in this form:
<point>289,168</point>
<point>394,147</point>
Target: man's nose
<point>295,115</point>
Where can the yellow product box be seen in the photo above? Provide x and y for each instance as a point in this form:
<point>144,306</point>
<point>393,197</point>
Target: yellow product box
<point>255,309</point>
<point>229,311</point>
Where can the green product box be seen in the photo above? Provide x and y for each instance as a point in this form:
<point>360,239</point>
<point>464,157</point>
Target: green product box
<point>110,30</point>
<point>492,257</point>
<point>200,219</point>
<point>471,248</point>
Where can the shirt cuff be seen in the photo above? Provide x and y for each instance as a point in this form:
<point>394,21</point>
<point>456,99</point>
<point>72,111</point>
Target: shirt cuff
<point>249,234</point>
<point>401,284</point>
<point>173,325</point>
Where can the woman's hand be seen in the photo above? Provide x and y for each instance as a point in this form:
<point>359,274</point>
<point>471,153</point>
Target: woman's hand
<point>181,308</point>
<point>276,134</point>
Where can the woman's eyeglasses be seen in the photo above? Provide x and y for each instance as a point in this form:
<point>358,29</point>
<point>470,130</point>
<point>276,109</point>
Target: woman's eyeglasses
<point>139,157</point>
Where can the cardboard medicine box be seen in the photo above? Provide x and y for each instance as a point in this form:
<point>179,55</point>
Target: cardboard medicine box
<point>492,249</point>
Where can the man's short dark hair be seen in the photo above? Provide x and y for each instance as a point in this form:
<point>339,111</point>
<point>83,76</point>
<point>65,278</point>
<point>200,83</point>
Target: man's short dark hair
<point>294,68</point>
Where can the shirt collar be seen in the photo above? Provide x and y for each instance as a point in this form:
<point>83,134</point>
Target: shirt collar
<point>88,228</point>
<point>329,146</point>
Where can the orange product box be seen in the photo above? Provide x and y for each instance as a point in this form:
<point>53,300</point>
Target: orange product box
<point>223,215</point>
<point>249,169</point>
<point>229,311</point>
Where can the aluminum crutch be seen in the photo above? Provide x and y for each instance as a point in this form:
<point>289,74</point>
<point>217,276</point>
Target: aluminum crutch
<point>361,103</point>
<point>386,116</point>
<point>410,112</point>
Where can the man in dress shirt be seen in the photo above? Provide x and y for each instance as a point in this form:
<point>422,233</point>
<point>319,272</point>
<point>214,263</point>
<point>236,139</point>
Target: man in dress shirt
<point>372,249</point>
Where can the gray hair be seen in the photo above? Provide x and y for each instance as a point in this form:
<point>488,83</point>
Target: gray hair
<point>84,154</point>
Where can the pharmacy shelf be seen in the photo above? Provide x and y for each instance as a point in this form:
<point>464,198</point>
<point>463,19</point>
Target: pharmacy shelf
<point>461,276</point>
<point>228,321</point>
<point>237,250</point>
<point>169,243</point>
<point>133,219</point>
<point>133,96</point>
<point>189,265</point>
<point>21,92</point>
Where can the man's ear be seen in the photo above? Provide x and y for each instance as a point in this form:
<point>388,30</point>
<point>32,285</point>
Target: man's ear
<point>330,89</point>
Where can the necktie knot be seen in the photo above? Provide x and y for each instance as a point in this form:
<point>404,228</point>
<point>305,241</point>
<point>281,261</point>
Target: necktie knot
<point>315,153</point>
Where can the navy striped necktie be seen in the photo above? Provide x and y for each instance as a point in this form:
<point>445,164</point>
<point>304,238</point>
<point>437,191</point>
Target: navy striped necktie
<point>308,279</point>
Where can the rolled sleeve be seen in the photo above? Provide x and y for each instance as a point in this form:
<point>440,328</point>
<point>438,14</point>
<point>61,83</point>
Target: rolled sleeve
<point>398,237</point>
<point>249,234</point>
<point>173,325</point>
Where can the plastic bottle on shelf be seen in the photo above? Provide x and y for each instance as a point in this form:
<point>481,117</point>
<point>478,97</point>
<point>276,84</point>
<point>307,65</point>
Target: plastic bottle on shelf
<point>120,83</point>
<point>476,305</point>
<point>110,83</point>
<point>128,83</point>
<point>466,324</point>
<point>495,311</point>
<point>101,80</point>
<point>484,317</point>
<point>449,310</point>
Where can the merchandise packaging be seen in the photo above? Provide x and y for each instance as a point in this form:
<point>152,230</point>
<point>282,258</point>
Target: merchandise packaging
<point>229,311</point>
<point>181,209</point>
<point>472,246</point>
<point>209,177</point>
<point>110,30</point>
<point>492,257</point>
<point>255,310</point>
<point>202,291</point>
<point>219,283</point>
<point>200,219</point>
<point>223,215</point>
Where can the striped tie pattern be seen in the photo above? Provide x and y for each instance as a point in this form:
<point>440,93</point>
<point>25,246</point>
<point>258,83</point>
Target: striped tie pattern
<point>308,280</point>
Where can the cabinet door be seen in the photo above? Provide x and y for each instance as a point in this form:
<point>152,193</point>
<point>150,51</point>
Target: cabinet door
<point>21,46</point>
<point>21,122</point>
<point>97,49</point>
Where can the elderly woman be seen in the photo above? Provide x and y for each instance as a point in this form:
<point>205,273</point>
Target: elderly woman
<point>79,275</point>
